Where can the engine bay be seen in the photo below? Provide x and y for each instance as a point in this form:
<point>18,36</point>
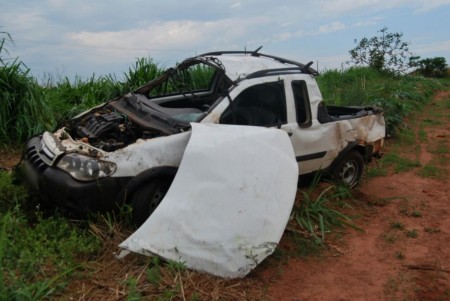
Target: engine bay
<point>107,129</point>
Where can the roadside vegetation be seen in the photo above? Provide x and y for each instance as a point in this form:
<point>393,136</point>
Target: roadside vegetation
<point>44,256</point>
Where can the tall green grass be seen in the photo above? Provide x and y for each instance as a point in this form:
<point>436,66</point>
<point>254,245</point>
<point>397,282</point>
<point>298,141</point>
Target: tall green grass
<point>68,98</point>
<point>398,96</point>
<point>24,109</point>
<point>143,71</point>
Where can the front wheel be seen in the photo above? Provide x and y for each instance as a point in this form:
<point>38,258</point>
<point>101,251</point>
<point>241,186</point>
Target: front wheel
<point>147,197</point>
<point>348,170</point>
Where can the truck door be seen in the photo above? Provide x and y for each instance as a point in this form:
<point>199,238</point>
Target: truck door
<point>309,139</point>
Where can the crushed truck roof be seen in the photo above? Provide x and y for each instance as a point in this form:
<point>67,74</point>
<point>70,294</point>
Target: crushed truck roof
<point>241,64</point>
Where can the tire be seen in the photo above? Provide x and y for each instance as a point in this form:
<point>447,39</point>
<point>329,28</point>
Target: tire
<point>348,170</point>
<point>147,198</point>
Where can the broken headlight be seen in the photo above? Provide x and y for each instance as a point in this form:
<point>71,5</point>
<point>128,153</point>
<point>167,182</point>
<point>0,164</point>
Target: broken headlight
<point>85,168</point>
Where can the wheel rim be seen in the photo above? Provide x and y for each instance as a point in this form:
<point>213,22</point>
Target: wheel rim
<point>157,196</point>
<point>348,173</point>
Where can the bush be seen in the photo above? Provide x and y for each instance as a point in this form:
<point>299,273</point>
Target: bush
<point>431,67</point>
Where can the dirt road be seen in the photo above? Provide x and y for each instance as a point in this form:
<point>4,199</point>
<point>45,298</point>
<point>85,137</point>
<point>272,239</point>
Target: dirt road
<point>403,252</point>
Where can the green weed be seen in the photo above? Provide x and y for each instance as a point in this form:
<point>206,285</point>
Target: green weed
<point>397,225</point>
<point>430,171</point>
<point>400,164</point>
<point>154,272</point>
<point>377,171</point>
<point>407,137</point>
<point>306,247</point>
<point>432,230</point>
<point>412,233</point>
<point>422,135</point>
<point>390,237</point>
<point>440,149</point>
<point>399,255</point>
<point>315,217</point>
<point>431,122</point>
<point>10,194</point>
<point>416,213</point>
<point>133,292</point>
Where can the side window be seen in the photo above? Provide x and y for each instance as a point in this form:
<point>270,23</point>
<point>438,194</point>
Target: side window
<point>302,107</point>
<point>259,105</point>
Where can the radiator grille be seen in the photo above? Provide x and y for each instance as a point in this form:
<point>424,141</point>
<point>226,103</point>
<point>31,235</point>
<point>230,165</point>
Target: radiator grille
<point>40,160</point>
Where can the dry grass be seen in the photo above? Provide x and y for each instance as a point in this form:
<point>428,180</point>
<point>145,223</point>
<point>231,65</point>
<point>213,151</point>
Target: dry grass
<point>134,278</point>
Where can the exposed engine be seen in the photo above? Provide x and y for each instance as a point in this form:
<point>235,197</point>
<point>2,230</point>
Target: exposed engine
<point>106,129</point>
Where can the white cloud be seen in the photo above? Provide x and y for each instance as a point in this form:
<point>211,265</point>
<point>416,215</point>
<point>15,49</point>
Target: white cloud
<point>441,47</point>
<point>424,6</point>
<point>159,35</point>
<point>368,22</point>
<point>333,27</point>
<point>338,7</point>
<point>236,5</point>
<point>162,37</point>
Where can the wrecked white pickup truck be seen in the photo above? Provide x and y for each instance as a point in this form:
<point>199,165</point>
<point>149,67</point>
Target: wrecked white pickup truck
<point>128,150</point>
<point>222,138</point>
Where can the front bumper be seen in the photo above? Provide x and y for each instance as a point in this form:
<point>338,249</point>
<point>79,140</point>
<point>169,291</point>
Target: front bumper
<point>57,187</point>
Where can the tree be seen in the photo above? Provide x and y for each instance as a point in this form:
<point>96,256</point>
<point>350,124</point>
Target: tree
<point>430,67</point>
<point>385,52</point>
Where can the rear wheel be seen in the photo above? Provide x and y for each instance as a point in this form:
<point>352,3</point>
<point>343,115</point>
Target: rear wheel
<point>348,170</point>
<point>147,198</point>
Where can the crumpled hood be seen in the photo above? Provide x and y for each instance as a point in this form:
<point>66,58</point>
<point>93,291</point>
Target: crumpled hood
<point>229,203</point>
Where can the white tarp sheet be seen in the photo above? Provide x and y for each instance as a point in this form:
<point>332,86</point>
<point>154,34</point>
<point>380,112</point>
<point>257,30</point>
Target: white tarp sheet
<point>229,203</point>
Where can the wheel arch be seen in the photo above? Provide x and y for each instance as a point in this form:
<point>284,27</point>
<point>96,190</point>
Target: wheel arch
<point>144,177</point>
<point>366,152</point>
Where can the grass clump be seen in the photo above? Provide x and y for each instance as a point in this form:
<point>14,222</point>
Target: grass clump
<point>314,216</point>
<point>399,255</point>
<point>37,259</point>
<point>412,233</point>
<point>306,247</point>
<point>397,225</point>
<point>400,164</point>
<point>390,237</point>
<point>10,194</point>
<point>432,230</point>
<point>440,149</point>
<point>431,171</point>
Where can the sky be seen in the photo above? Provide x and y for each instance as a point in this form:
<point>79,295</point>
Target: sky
<point>69,38</point>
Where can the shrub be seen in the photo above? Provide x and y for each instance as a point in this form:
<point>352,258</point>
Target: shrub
<point>430,67</point>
